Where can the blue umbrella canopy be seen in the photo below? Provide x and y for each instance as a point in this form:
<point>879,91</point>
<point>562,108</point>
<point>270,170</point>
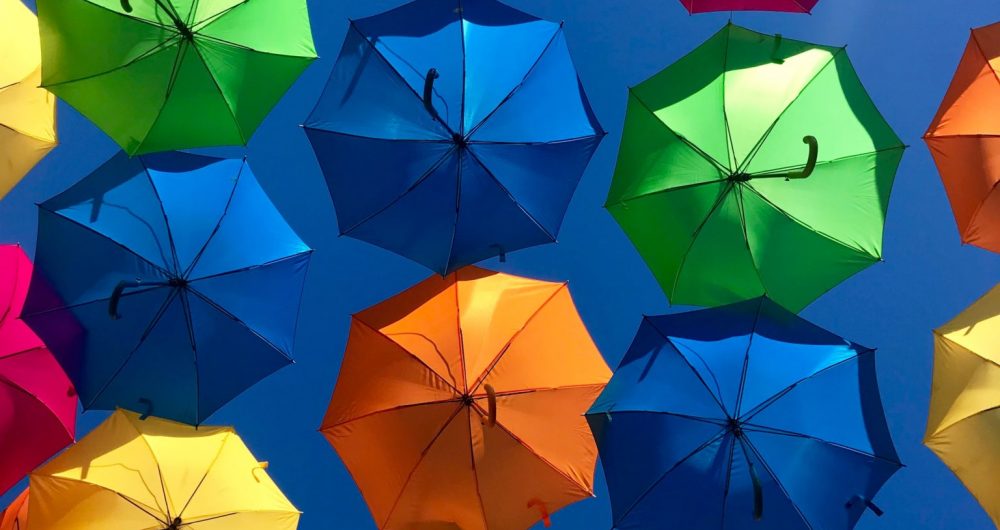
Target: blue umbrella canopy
<point>452,131</point>
<point>180,278</point>
<point>742,417</point>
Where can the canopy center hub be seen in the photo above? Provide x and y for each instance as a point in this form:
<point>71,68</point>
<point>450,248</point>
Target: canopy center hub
<point>178,282</point>
<point>740,177</point>
<point>735,426</point>
<point>175,525</point>
<point>467,400</point>
<point>459,140</point>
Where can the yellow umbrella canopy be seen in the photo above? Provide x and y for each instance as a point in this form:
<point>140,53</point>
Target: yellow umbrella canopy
<point>27,112</point>
<point>154,474</point>
<point>963,427</point>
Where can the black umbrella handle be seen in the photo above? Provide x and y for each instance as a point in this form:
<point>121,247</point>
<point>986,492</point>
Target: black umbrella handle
<point>491,400</point>
<point>805,173</point>
<point>119,291</point>
<point>868,504</point>
<point>432,74</point>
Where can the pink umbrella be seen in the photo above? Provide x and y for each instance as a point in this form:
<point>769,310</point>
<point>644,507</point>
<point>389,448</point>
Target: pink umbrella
<point>37,400</point>
<point>790,6</point>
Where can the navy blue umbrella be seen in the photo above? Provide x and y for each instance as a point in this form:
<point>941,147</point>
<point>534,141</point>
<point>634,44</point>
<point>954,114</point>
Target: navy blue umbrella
<point>180,277</point>
<point>744,417</point>
<point>452,131</point>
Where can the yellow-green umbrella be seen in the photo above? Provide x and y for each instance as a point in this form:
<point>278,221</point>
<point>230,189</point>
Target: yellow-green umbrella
<point>963,427</point>
<point>154,474</point>
<point>27,113</point>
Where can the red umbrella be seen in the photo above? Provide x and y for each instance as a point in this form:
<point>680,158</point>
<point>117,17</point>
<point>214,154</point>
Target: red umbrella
<point>789,6</point>
<point>37,401</point>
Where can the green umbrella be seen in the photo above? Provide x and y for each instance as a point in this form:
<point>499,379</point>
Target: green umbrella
<point>159,75</point>
<point>755,165</point>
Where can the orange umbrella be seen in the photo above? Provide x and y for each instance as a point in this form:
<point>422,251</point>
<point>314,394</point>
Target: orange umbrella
<point>965,140</point>
<point>460,403</point>
<point>15,517</point>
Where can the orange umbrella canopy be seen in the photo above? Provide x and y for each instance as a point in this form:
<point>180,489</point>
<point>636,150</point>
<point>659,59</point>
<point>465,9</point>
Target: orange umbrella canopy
<point>460,403</point>
<point>964,139</point>
<point>15,517</point>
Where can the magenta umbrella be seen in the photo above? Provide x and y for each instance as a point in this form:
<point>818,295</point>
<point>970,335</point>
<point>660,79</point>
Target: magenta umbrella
<point>789,6</point>
<point>37,400</point>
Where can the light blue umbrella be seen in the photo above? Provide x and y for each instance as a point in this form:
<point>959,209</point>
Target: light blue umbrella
<point>744,417</point>
<point>452,131</point>
<point>180,276</point>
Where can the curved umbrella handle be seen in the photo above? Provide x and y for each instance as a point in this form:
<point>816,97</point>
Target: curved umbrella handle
<point>774,51</point>
<point>116,297</point>
<point>546,520</point>
<point>758,492</point>
<point>149,408</point>
<point>813,155</point>
<point>126,6</point>
<point>868,504</point>
<point>432,74</point>
<point>491,400</point>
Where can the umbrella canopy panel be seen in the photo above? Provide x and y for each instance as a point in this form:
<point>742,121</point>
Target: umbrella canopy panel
<point>711,414</point>
<point>754,165</point>
<point>453,131</point>
<point>788,6</point>
<point>15,517</point>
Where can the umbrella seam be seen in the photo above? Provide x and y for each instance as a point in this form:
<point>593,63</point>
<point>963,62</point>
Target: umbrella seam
<point>499,356</point>
<point>510,196</point>
<point>458,331</point>
<point>167,501</point>
<point>408,353</point>
<point>724,192</point>
<point>209,20</point>
<point>756,270</point>
<point>941,426</point>
<point>777,482</point>
<point>965,232</point>
<point>159,202</point>
<point>331,427</point>
<point>161,46</point>
<point>232,194</point>
<point>461,116</point>
<point>837,160</point>
<point>18,388</point>
<point>746,355</point>
<point>763,429</point>
<point>461,154</point>
<point>730,148</point>
<point>188,321</point>
<point>253,332</point>
<point>700,419</point>
<point>242,47</point>
<point>28,316</point>
<point>624,202</point>
<point>248,268</point>
<point>222,94</point>
<point>555,34</point>
<point>131,17</point>
<point>684,358</point>
<point>694,148</point>
<point>375,138</point>
<point>36,475</point>
<point>475,469</point>
<point>51,141</point>
<point>208,470</point>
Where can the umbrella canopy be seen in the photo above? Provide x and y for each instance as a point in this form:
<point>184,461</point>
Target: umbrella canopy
<point>452,131</point>
<point>183,276</point>
<point>964,139</point>
<point>965,396</point>
<point>790,6</point>
<point>133,474</point>
<point>712,414</point>
<point>754,165</point>
<point>15,517</point>
<point>37,400</point>
<point>460,403</point>
<point>158,75</point>
<point>27,113</point>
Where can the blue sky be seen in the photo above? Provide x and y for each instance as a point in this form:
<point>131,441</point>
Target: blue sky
<point>905,52</point>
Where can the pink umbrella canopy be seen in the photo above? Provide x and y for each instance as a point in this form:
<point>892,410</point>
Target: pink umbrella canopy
<point>788,6</point>
<point>37,400</point>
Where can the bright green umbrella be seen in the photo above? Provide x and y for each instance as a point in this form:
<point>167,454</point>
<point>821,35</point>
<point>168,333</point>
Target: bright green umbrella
<point>160,75</point>
<point>754,165</point>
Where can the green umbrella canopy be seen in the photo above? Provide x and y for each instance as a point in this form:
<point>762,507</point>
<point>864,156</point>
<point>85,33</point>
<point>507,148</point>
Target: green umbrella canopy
<point>755,165</point>
<point>160,75</point>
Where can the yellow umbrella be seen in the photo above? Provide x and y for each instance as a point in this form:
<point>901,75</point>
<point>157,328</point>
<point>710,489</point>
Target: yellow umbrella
<point>963,427</point>
<point>154,474</point>
<point>27,112</point>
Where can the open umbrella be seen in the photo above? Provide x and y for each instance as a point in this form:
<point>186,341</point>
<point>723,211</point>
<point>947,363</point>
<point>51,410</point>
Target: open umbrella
<point>965,396</point>
<point>134,474</point>
<point>460,403</point>
<point>742,417</point>
<point>452,131</point>
<point>158,75</point>
<point>790,6</point>
<point>37,400</point>
<point>27,113</point>
<point>964,139</point>
<point>183,276</point>
<point>15,517</point>
<point>754,165</point>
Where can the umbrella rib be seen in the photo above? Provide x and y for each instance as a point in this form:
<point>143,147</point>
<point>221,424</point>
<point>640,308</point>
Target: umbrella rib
<point>420,460</point>
<point>393,202</point>
<point>799,222</point>
<point>136,504</point>
<point>533,144</point>
<point>222,94</point>
<point>729,479</point>
<point>218,224</point>
<point>156,192</point>
<point>833,160</point>
<point>496,360</point>
<point>208,470</point>
<point>753,152</point>
<point>750,427</point>
<point>777,482</point>
<point>18,388</point>
<point>253,332</point>
<point>144,55</point>
<point>687,362</point>
<point>985,57</point>
<point>159,472</point>
<point>697,150</point>
<point>721,434</point>
<point>186,307</point>
<point>373,138</point>
<point>536,390</point>
<point>624,202</point>
<point>142,340</point>
<point>746,357</point>
<point>524,79</point>
<point>720,423</point>
<point>458,332</point>
<point>278,261</point>
<point>723,195</point>
<point>461,115</point>
<point>510,196</point>
<point>454,400</point>
<point>753,262</point>
<point>462,155</point>
<point>771,400</point>
<point>409,353</point>
<point>202,24</point>
<point>378,53</point>
<point>212,518</point>
<point>156,267</point>
<point>472,460</point>
<point>99,300</point>
<point>730,148</point>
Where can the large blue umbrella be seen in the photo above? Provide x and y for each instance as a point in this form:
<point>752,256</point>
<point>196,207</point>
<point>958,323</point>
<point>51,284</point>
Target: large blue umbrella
<point>452,131</point>
<point>181,277</point>
<point>742,417</point>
